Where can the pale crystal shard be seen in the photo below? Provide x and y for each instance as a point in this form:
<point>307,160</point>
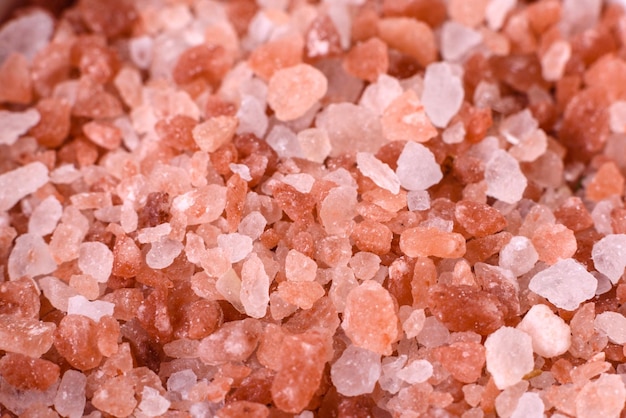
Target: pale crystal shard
<point>509,354</point>
<point>515,128</point>
<point>417,168</point>
<point>504,178</point>
<point>284,141</point>
<point>496,12</point>
<point>163,252</point>
<point>338,210</point>
<point>405,120</point>
<point>299,267</point>
<point>152,403</point>
<point>237,246</point>
<point>356,371</point>
<point>579,15</point>
<point>529,405</point>
<point>95,259</point>
<point>26,35</point>
<point>18,183</point>
<point>457,40</point>
<point>443,93</point>
<point>57,292</point>
<point>255,284</point>
<point>214,132</point>
<point>454,134</point>
<point>252,117</point>
<point>554,59</point>
<point>379,95</point>
<point>25,335</point>
<point>418,200</point>
<point>16,124</point>
<point>609,256</point>
<point>292,91</point>
<point>315,144</point>
<point>389,380</point>
<point>379,172</point>
<point>550,335</point>
<point>252,225</point>
<point>30,257</point>
<point>45,217</point>
<point>95,310</point>
<point>613,324</point>
<point>565,284</point>
<point>70,398</point>
<point>603,397</point>
<point>417,371</point>
<point>518,255</point>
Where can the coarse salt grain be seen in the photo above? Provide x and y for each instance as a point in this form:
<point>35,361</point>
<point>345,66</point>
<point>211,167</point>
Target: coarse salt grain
<point>504,178</point>
<point>443,93</point>
<point>509,354</point>
<point>609,256</point>
<point>292,91</point>
<point>550,335</point>
<point>379,172</point>
<point>613,324</point>
<point>18,183</point>
<point>417,168</point>
<point>16,124</point>
<point>356,371</point>
<point>95,259</point>
<point>79,305</point>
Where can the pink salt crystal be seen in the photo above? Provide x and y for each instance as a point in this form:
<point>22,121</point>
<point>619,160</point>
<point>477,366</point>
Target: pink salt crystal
<point>370,319</point>
<point>236,246</point>
<point>30,257</point>
<point>378,172</point>
<point>378,96</point>
<point>405,120</point>
<point>434,333</point>
<point>284,141</point>
<point>554,242</point>
<point>315,144</point>
<point>530,405</point>
<point>96,259</point>
<point>15,78</point>
<point>519,256</point>
<point>299,267</point>
<point>116,397</point>
<point>44,218</point>
<point>79,305</point>
<point>463,360</point>
<point>609,256</point>
<point>70,397</point>
<point>255,284</point>
<point>554,60</point>
<point>163,252</point>
<point>252,225</point>
<point>364,264</point>
<point>233,341</point>
<point>16,124</point>
<point>356,371</point>
<point>26,35</point>
<point>76,340</point>
<point>454,134</point>
<point>152,403</point>
<point>458,40</point>
<point>603,397</point>
<point>509,355</point>
<point>613,324</point>
<point>27,373</point>
<point>414,323</point>
<point>417,371</point>
<point>57,292</point>
<point>565,284</point>
<point>251,116</point>
<point>550,335</point>
<point>128,83</point>
<point>496,12</point>
<point>367,60</point>
<point>103,134</point>
<point>292,91</point>
<point>507,399</point>
<point>18,183</point>
<point>608,181</point>
<point>409,36</point>
<point>300,294</point>
<point>617,113</point>
<point>505,181</point>
<point>201,205</point>
<point>427,241</point>
<point>443,93</point>
<point>25,335</point>
<point>338,210</point>
<point>214,132</point>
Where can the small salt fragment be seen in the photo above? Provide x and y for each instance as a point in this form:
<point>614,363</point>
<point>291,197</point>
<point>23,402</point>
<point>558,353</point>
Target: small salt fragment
<point>356,371</point>
<point>302,182</point>
<point>18,183</point>
<point>504,178</point>
<point>550,335</point>
<point>414,323</point>
<point>229,286</point>
<point>454,134</point>
<point>299,267</point>
<point>140,49</point>
<point>613,324</point>
<point>26,34</point>
<point>389,379</point>
<point>601,215</point>
<point>338,210</point>
<point>417,371</point>
<point>509,355</point>
<point>65,174</point>
<point>529,405</point>
<point>215,132</point>
<point>379,172</point>
<point>417,168</point>
<point>292,91</point>
<point>154,233</point>
<point>252,225</point>
<point>30,257</point>
<point>57,292</point>
<point>152,403</point>
<point>379,95</point>
<point>236,246</point>
<point>433,334</point>
<point>103,134</point>
<point>95,259</point>
<point>609,256</point>
<point>284,141</point>
<point>163,252</point>
<point>182,382</point>
<point>255,284</point>
<point>16,124</point>
<point>242,170</point>
<point>418,200</point>
<point>458,40</point>
<point>496,12</point>
<point>70,397</point>
<point>518,255</point>
<point>315,144</point>
<point>565,284</point>
<point>517,127</point>
<point>79,305</point>
<point>25,335</point>
<point>603,397</point>
<point>554,59</point>
<point>252,117</point>
<point>405,120</point>
<point>443,93</point>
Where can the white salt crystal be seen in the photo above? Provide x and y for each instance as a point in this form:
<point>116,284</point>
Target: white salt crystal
<point>305,414</point>
<point>16,124</point>
<point>418,200</point>
<point>509,354</point>
<point>565,284</point>
<point>518,126</point>
<point>617,114</point>
<point>554,59</point>
<point>140,49</point>
<point>255,284</point>
<point>417,371</point>
<point>252,225</point>
<point>18,183</point>
<point>45,217</point>
<point>154,233</point>
<point>550,335</point>
<point>315,144</point>
<point>379,95</point>
<point>30,257</point>
<point>529,405</point>
<point>26,34</point>
<point>302,182</point>
<point>284,141</point>
<point>457,40</point>
<point>601,215</point>
<point>609,256</point>
<point>182,382</point>
<point>56,291</point>
<point>613,324</point>
<point>389,379</point>
<point>496,12</point>
<point>242,170</point>
<point>443,93</point>
<point>356,371</point>
<point>454,134</point>
<point>379,172</point>
<point>433,333</point>
<point>95,259</point>
<point>79,305</point>
<point>518,255</point>
<point>414,323</point>
<point>299,267</point>
<point>604,284</point>
<point>163,252</point>
<point>152,403</point>
<point>237,246</point>
<point>504,178</point>
<point>417,168</point>
<point>65,174</point>
<point>252,117</point>
<point>70,397</point>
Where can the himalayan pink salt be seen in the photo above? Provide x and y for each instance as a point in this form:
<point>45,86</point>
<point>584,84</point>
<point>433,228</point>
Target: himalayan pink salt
<point>323,37</point>
<point>163,252</point>
<point>299,267</point>
<point>233,341</point>
<point>16,124</point>
<point>96,259</point>
<point>243,408</point>
<point>275,55</point>
<point>364,264</point>
<point>104,135</point>
<point>372,236</point>
<point>518,255</point>
<point>54,123</point>
<point>443,93</point>
<point>26,35</point>
<point>18,183</point>
<point>236,246</point>
<point>252,117</point>
<point>609,255</point>
<point>427,241</point>
<point>356,371</point>
<point>554,242</point>
<point>255,285</point>
<point>613,324</point>
<point>573,214</point>
<point>314,144</point>
<point>418,371</point>
<point>338,210</point>
<point>550,335</point>
<point>253,225</point>
<point>30,257</point>
<point>292,91</point>
<point>367,60</point>
<point>413,324</point>
<point>607,181</point>
<point>409,36</point>
<point>56,291</point>
<point>420,176</point>
<point>380,173</point>
<point>458,40</point>
<point>343,282</point>
<point>463,360</point>
<point>603,397</point>
<point>214,132</point>
<point>479,219</point>
<point>201,205</point>
<point>116,396</point>
<point>504,179</point>
<point>496,12</point>
<point>152,403</point>
<point>300,294</point>
<point>554,60</point>
<point>433,333</point>
<point>27,373</point>
<point>20,297</point>
<point>70,397</point>
<point>25,335</point>
<point>76,340</point>
<point>509,356</point>
<point>15,79</point>
<point>378,96</point>
<point>370,319</point>
<point>405,120</point>
<point>566,284</point>
<point>79,305</point>
<point>126,257</point>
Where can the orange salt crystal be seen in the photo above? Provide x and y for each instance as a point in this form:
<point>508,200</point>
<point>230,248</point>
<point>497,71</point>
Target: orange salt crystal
<point>15,80</point>
<point>54,125</point>
<point>50,66</point>
<point>27,373</point>
<point>292,91</point>
<point>216,106</point>
<point>209,62</point>
<point>586,122</point>
<point>554,242</point>
<point>25,335</point>
<point>199,319</point>
<point>176,132</point>
<point>467,12</point>
<point>573,214</point>
<point>116,396</point>
<point>322,317</point>
<point>463,360</point>
<point>300,294</point>
<point>126,257</point>
<point>476,121</point>
<point>543,14</point>
<point>608,73</point>
<point>297,205</point>
<point>607,181</point>
<point>411,37</point>
<point>519,71</point>
<point>214,132</point>
<point>236,190</point>
<point>367,60</point>
<point>370,319</point>
<point>426,241</point>
<point>334,251</point>
<point>276,55</point>
<point>240,13</point>
<point>111,19</point>
<point>76,340</point>
<point>92,57</point>
<point>479,219</point>
<point>92,101</point>
<point>372,236</point>
<point>239,409</point>
<point>433,12</point>
<point>405,120</point>
<point>108,334</point>
<point>103,134</point>
<point>468,169</point>
<point>20,298</point>
<point>618,220</point>
<point>400,279</point>
<point>154,314</point>
<point>233,341</point>
<point>364,24</point>
<point>126,300</point>
<point>424,276</point>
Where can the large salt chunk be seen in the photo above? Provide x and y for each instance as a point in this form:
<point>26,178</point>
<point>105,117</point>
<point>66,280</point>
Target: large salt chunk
<point>70,397</point>
<point>237,246</point>
<point>25,335</point>
<point>603,397</point>
<point>95,259</point>
<point>518,255</point>
<point>79,305</point>
<point>299,267</point>
<point>504,178</point>
<point>255,284</point>
<point>252,117</point>
<point>284,141</point>
<point>292,91</point>
<point>30,257</point>
<point>417,168</point>
<point>44,218</point>
<point>457,40</point>
<point>509,354</point>
<point>565,284</point>
<point>356,371</point>
<point>16,124</point>
<point>380,173</point>
<point>26,35</point>
<point>338,210</point>
<point>551,336</point>
<point>18,183</point>
<point>609,256</point>
<point>152,403</point>
<point>163,252</point>
<point>443,93</point>
<point>613,324</point>
<point>529,405</point>
<point>57,292</point>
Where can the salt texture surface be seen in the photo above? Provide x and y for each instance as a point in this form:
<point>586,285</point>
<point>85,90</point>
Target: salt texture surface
<point>529,405</point>
<point>518,255</point>
<point>609,256</point>
<point>95,259</point>
<point>457,40</point>
<point>379,172</point>
<point>417,168</point>
<point>613,324</point>
<point>443,93</point>
<point>79,305</point>
<point>30,257</point>
<point>509,354</point>
<point>504,178</point>
<point>255,284</point>
<point>70,397</point>
<point>356,371</point>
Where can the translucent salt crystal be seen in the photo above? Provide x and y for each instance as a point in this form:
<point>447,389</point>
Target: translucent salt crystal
<point>433,333</point>
<point>299,267</point>
<point>30,257</point>
<point>214,132</point>
<point>504,178</point>
<point>389,379</point>
<point>65,174</point>
<point>284,141</point>
<point>454,134</point>
<point>379,95</point>
<point>554,59</point>
<point>16,124</point>
<point>603,397</point>
<point>57,292</point>
<point>252,225</point>
<point>518,126</point>
<point>565,284</point>
<point>26,35</point>
<point>496,12</point>
<point>18,183</point>
<point>356,371</point>
<point>509,354</point>
<point>229,286</point>
<point>70,397</point>
<point>182,382</point>
<point>457,40</point>
<point>293,90</point>
<point>364,265</point>
<point>95,310</point>
<point>236,245</point>
<point>302,182</point>
<point>417,168</point>
<point>255,284</point>
<point>405,120</point>
<point>579,15</point>
<point>617,115</point>
<point>550,335</point>
<point>152,403</point>
<point>601,215</point>
<point>95,259</point>
<point>128,217</point>
<point>242,170</point>
<point>379,172</point>
<point>154,233</point>
<point>338,210</point>
<point>252,117</point>
<point>163,252</point>
<point>518,255</point>
<point>414,323</point>
<point>417,371</point>
<point>529,405</point>
<point>443,93</point>
<point>613,324</point>
<point>609,256</point>
<point>314,144</point>
<point>418,200</point>
<point>26,336</point>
